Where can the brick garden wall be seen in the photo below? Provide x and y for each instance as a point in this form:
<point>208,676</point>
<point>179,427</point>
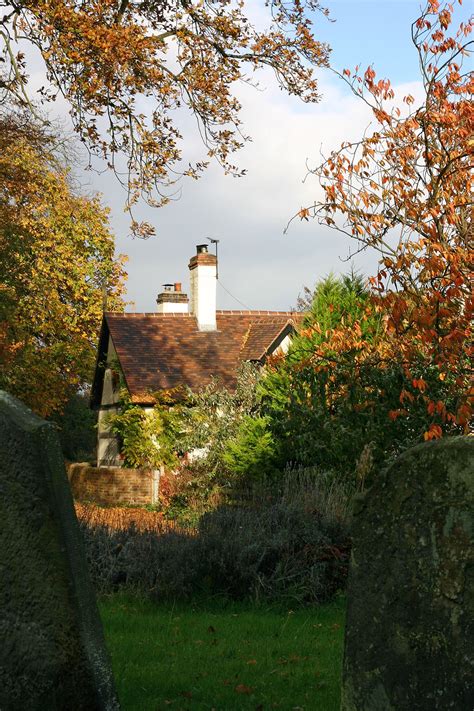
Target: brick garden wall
<point>113,486</point>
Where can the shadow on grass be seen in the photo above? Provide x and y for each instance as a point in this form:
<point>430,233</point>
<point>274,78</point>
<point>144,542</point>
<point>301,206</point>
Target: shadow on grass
<point>211,653</point>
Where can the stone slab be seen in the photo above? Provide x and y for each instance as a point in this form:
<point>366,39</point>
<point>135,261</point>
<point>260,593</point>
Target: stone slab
<point>410,624</point>
<point>52,650</point>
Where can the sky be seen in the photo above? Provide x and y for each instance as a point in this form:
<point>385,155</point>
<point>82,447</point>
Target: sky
<point>260,267</point>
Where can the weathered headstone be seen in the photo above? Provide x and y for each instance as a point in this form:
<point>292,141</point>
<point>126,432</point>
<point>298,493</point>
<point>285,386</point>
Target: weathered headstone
<point>52,650</point>
<point>410,623</point>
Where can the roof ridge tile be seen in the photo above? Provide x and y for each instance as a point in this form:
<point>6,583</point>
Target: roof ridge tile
<point>156,314</point>
<point>148,314</point>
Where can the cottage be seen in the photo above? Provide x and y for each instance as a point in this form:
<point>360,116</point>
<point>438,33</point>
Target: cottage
<point>186,342</point>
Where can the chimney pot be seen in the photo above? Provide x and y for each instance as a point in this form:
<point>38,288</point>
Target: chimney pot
<point>201,249</point>
<point>172,300</point>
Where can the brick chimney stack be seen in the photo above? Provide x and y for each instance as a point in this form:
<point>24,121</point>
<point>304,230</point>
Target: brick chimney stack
<point>172,300</point>
<point>203,278</point>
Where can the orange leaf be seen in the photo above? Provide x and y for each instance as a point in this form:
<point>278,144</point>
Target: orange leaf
<point>243,689</point>
<point>435,432</point>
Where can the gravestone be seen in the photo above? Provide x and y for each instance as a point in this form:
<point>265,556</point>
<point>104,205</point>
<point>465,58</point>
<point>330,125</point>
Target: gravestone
<point>52,650</point>
<point>410,622</point>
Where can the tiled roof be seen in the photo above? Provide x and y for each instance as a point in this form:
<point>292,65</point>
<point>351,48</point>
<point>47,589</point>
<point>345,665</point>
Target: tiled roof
<point>165,351</point>
<point>261,336</point>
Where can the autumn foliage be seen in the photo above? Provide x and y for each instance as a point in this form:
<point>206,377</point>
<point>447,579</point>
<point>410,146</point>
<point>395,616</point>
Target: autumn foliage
<point>126,67</point>
<point>57,265</point>
<point>405,190</point>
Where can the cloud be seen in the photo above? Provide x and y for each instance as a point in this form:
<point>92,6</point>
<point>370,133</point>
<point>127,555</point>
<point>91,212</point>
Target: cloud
<point>259,265</point>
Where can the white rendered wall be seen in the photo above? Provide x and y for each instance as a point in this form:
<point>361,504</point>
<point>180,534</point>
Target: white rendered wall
<point>169,307</point>
<point>284,345</point>
<point>107,444</point>
<point>109,395</point>
<point>203,296</point>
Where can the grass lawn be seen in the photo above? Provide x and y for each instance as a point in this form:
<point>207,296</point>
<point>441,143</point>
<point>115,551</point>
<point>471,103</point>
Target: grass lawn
<point>224,656</point>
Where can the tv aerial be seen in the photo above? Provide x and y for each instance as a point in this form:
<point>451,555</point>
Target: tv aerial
<point>216,242</point>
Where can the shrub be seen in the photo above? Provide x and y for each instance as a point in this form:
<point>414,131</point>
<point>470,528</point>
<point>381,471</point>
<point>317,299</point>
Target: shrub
<point>275,552</point>
<point>291,544</point>
<point>146,438</point>
<point>76,427</point>
<point>211,422</point>
<point>343,391</point>
<point>251,451</point>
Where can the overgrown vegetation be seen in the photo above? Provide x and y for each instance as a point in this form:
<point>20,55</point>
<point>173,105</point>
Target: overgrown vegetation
<point>343,399</point>
<point>147,439</point>
<point>287,544</point>
<point>190,433</point>
<point>228,656</point>
<point>344,406</point>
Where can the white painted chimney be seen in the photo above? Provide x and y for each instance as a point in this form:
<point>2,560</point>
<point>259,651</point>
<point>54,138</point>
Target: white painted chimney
<point>203,278</point>
<point>172,300</point>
